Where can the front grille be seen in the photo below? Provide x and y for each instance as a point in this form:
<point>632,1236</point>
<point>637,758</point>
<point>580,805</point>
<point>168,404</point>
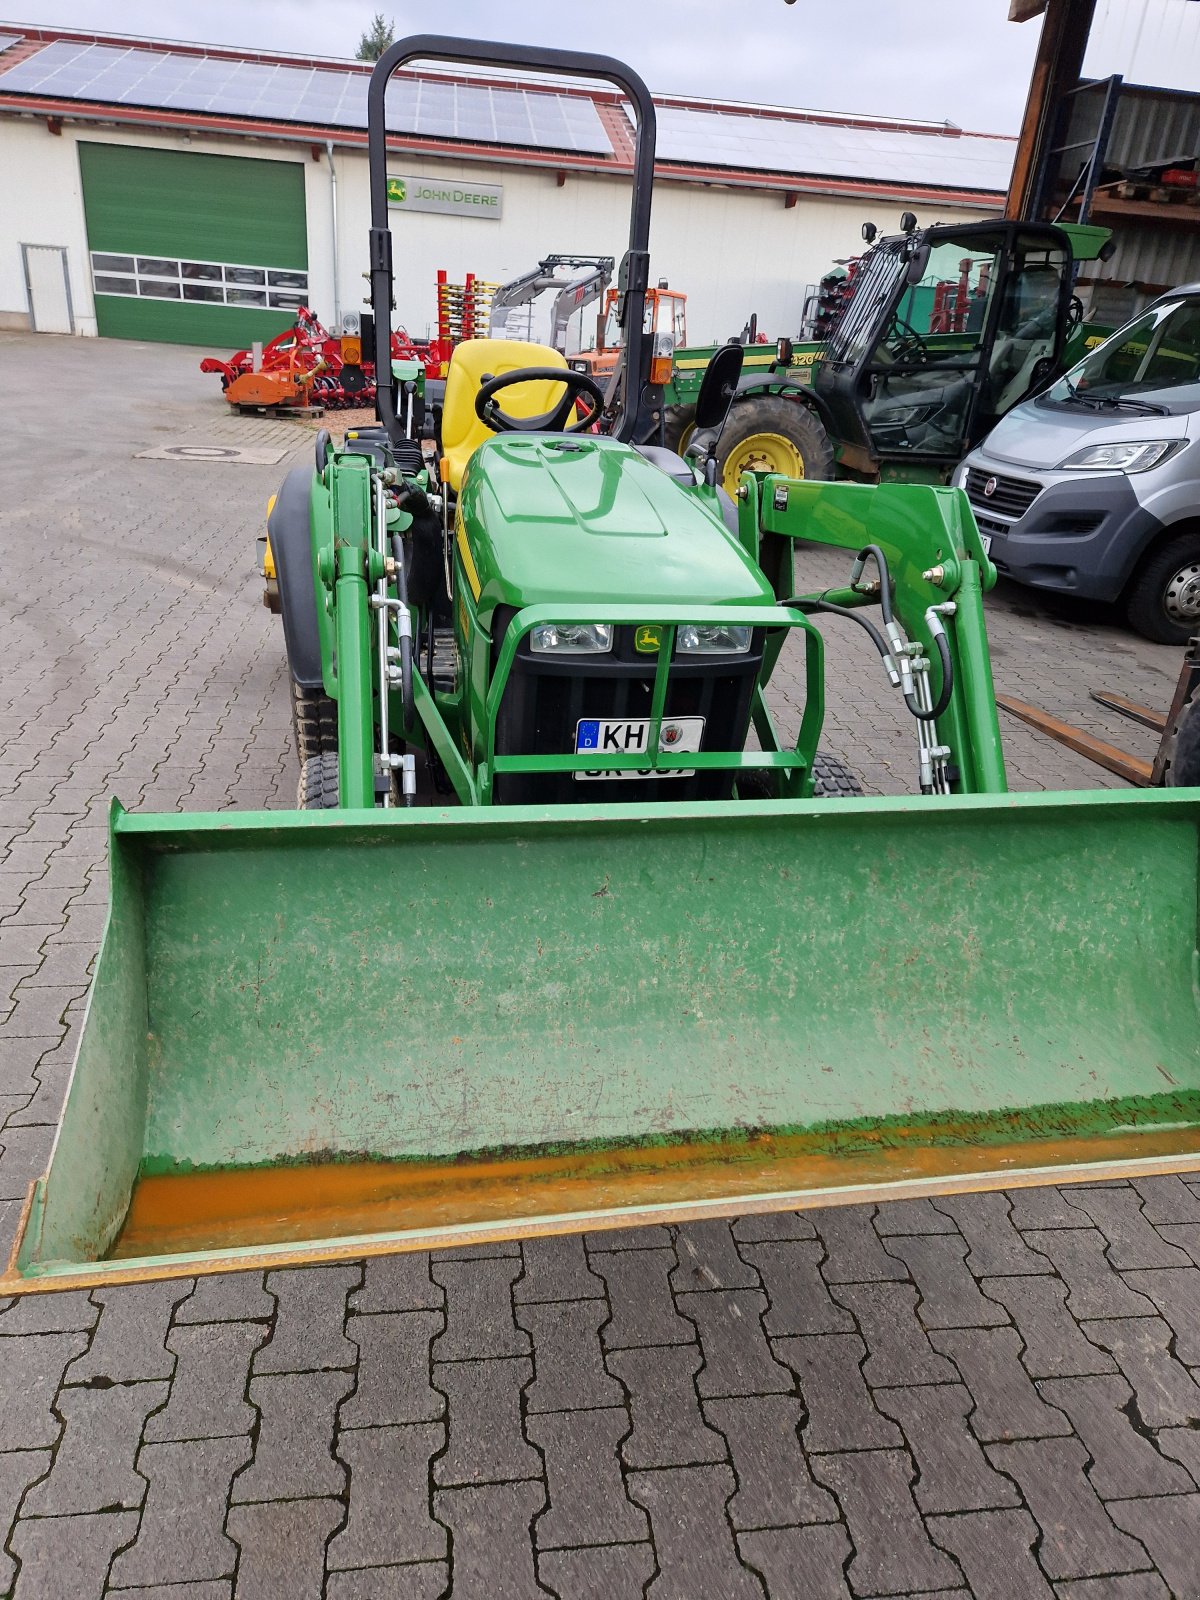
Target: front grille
<point>1010,497</point>
<point>990,524</point>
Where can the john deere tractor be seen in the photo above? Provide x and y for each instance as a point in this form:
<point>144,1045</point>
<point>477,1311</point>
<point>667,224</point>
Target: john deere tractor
<point>640,958</point>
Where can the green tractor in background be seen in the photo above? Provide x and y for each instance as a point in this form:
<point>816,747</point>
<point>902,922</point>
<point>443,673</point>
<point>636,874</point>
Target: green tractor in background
<point>642,959</point>
<point>942,332</point>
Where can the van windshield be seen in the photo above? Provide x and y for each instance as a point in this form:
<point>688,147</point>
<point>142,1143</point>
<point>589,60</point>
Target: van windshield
<point>1155,360</point>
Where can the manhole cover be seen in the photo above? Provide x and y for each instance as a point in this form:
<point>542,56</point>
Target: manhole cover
<point>220,453</point>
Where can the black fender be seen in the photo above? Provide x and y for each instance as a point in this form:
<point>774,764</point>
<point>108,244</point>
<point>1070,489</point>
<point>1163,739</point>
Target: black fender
<point>291,548</point>
<point>756,383</point>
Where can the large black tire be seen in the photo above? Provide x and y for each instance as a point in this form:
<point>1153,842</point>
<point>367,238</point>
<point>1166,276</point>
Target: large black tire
<point>833,779</point>
<point>314,722</point>
<point>1163,599</point>
<point>678,424</point>
<point>1183,753</point>
<point>770,433</point>
<point>318,786</point>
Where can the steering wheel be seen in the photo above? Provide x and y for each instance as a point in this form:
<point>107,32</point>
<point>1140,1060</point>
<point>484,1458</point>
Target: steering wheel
<point>909,346</point>
<point>553,421</point>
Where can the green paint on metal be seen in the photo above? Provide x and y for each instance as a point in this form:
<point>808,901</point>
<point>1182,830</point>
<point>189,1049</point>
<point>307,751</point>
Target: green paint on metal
<point>177,322</point>
<point>333,986</point>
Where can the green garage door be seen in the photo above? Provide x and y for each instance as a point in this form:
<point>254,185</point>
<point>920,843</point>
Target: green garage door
<point>192,249</point>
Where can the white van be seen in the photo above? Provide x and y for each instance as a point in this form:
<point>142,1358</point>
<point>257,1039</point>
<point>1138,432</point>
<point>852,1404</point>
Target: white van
<point>1093,487</point>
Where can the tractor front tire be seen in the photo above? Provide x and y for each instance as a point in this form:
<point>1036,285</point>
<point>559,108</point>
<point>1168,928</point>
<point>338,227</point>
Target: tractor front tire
<point>314,723</point>
<point>318,786</point>
<point>770,433</point>
<point>833,779</point>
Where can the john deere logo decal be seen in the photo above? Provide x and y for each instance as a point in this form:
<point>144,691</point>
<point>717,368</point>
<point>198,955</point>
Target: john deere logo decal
<point>647,640</point>
<point>396,191</point>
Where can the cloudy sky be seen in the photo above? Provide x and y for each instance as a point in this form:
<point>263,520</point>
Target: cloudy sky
<point>955,60</point>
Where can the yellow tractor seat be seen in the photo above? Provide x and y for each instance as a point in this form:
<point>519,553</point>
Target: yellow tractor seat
<point>462,431</point>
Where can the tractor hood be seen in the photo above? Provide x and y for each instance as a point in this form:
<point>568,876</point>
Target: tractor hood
<point>577,519</point>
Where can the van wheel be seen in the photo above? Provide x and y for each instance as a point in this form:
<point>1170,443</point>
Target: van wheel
<point>1163,602</point>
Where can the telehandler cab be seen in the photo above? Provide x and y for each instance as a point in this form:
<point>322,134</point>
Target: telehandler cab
<point>643,960</point>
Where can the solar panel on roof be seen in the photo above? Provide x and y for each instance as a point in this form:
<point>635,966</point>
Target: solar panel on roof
<point>8,39</point>
<point>432,107</point>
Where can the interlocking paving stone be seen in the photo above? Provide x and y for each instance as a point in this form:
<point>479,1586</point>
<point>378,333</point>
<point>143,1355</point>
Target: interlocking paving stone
<point>708,1259</point>
<point>1041,1207</point>
<point>737,1357</point>
<point>1054,1346</point>
<point>308,1333</point>
<point>1186,1236</point>
<point>668,1428</point>
<point>293,1455</point>
<point>24,1152</point>
<point>800,1299</point>
<point>393,1369</point>
<point>899,1351</point>
<point>1079,1257</point>
<point>479,1310</point>
<point>995,1551</point>
<point>1132,1241</point>
<point>855,1253</point>
<point>130,1338</point>
<point>775,1486</point>
<point>1182,1445</point>
<point>953,1472</point>
<point>207,1394</point>
<point>206,1589</point>
<point>1169,1529</point>
<point>1078,1536</point>
<point>1007,1406</point>
<point>282,1544</point>
<point>569,1367</point>
<point>182,1526</point>
<point>1124,1462</point>
<point>68,1556</point>
<point>841,1413</point>
<point>398,1283</point>
<point>588,1504</point>
<point>486,1444</point>
<point>651,1237</point>
<point>1175,1291</point>
<point>909,1217</point>
<point>695,1549</point>
<point>424,1580</point>
<point>388,1521</point>
<point>1124,1586</point>
<point>606,1572</point>
<point>892,1551</point>
<point>1167,1199</point>
<point>799,1563</point>
<point>770,1226</point>
<point>643,1308</point>
<point>996,1246</point>
<point>93,1466</point>
<point>556,1268</point>
<point>1167,1394</point>
<point>48,1313</point>
<point>489,1531</point>
<point>950,1296</point>
<point>227,1297</point>
<point>18,1469</point>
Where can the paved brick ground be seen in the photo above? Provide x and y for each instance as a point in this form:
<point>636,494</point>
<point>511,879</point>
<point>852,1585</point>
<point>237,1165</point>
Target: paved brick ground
<point>990,1395</point>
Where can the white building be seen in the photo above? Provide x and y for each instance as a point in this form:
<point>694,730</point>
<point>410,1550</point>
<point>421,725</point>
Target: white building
<point>198,195</point>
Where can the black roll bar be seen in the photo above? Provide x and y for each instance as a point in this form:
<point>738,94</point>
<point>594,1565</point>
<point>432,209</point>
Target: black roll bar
<point>635,268</point>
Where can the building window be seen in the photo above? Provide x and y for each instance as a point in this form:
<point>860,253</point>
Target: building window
<point>207,282</point>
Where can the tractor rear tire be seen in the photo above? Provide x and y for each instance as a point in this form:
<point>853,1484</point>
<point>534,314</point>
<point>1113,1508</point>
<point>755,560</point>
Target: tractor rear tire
<point>679,424</point>
<point>769,433</point>
<point>833,779</point>
<point>318,786</point>
<point>314,722</point>
<point>1183,758</point>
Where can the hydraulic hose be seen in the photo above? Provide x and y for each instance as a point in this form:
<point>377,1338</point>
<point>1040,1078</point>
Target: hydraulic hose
<point>404,633</point>
<point>821,604</point>
<point>885,577</point>
<point>943,650</point>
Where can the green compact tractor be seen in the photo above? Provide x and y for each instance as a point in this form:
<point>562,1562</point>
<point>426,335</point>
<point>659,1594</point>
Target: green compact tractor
<point>565,934</point>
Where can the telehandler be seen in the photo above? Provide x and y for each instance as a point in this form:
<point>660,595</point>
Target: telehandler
<point>641,959</point>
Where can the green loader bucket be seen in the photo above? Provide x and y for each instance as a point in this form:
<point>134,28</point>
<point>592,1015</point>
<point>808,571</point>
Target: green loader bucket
<point>336,1033</point>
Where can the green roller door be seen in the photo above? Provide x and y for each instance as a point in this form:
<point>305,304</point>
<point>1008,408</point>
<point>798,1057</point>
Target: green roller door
<point>193,249</point>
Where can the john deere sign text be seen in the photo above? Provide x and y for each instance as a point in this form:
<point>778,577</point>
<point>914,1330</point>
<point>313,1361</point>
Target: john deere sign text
<point>452,199</point>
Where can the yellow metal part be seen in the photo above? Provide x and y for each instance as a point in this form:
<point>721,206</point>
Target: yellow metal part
<point>762,452</point>
<point>462,431</point>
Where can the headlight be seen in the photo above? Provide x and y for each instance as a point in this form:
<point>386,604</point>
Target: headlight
<point>571,638</point>
<point>1136,456</point>
<point>712,640</point>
